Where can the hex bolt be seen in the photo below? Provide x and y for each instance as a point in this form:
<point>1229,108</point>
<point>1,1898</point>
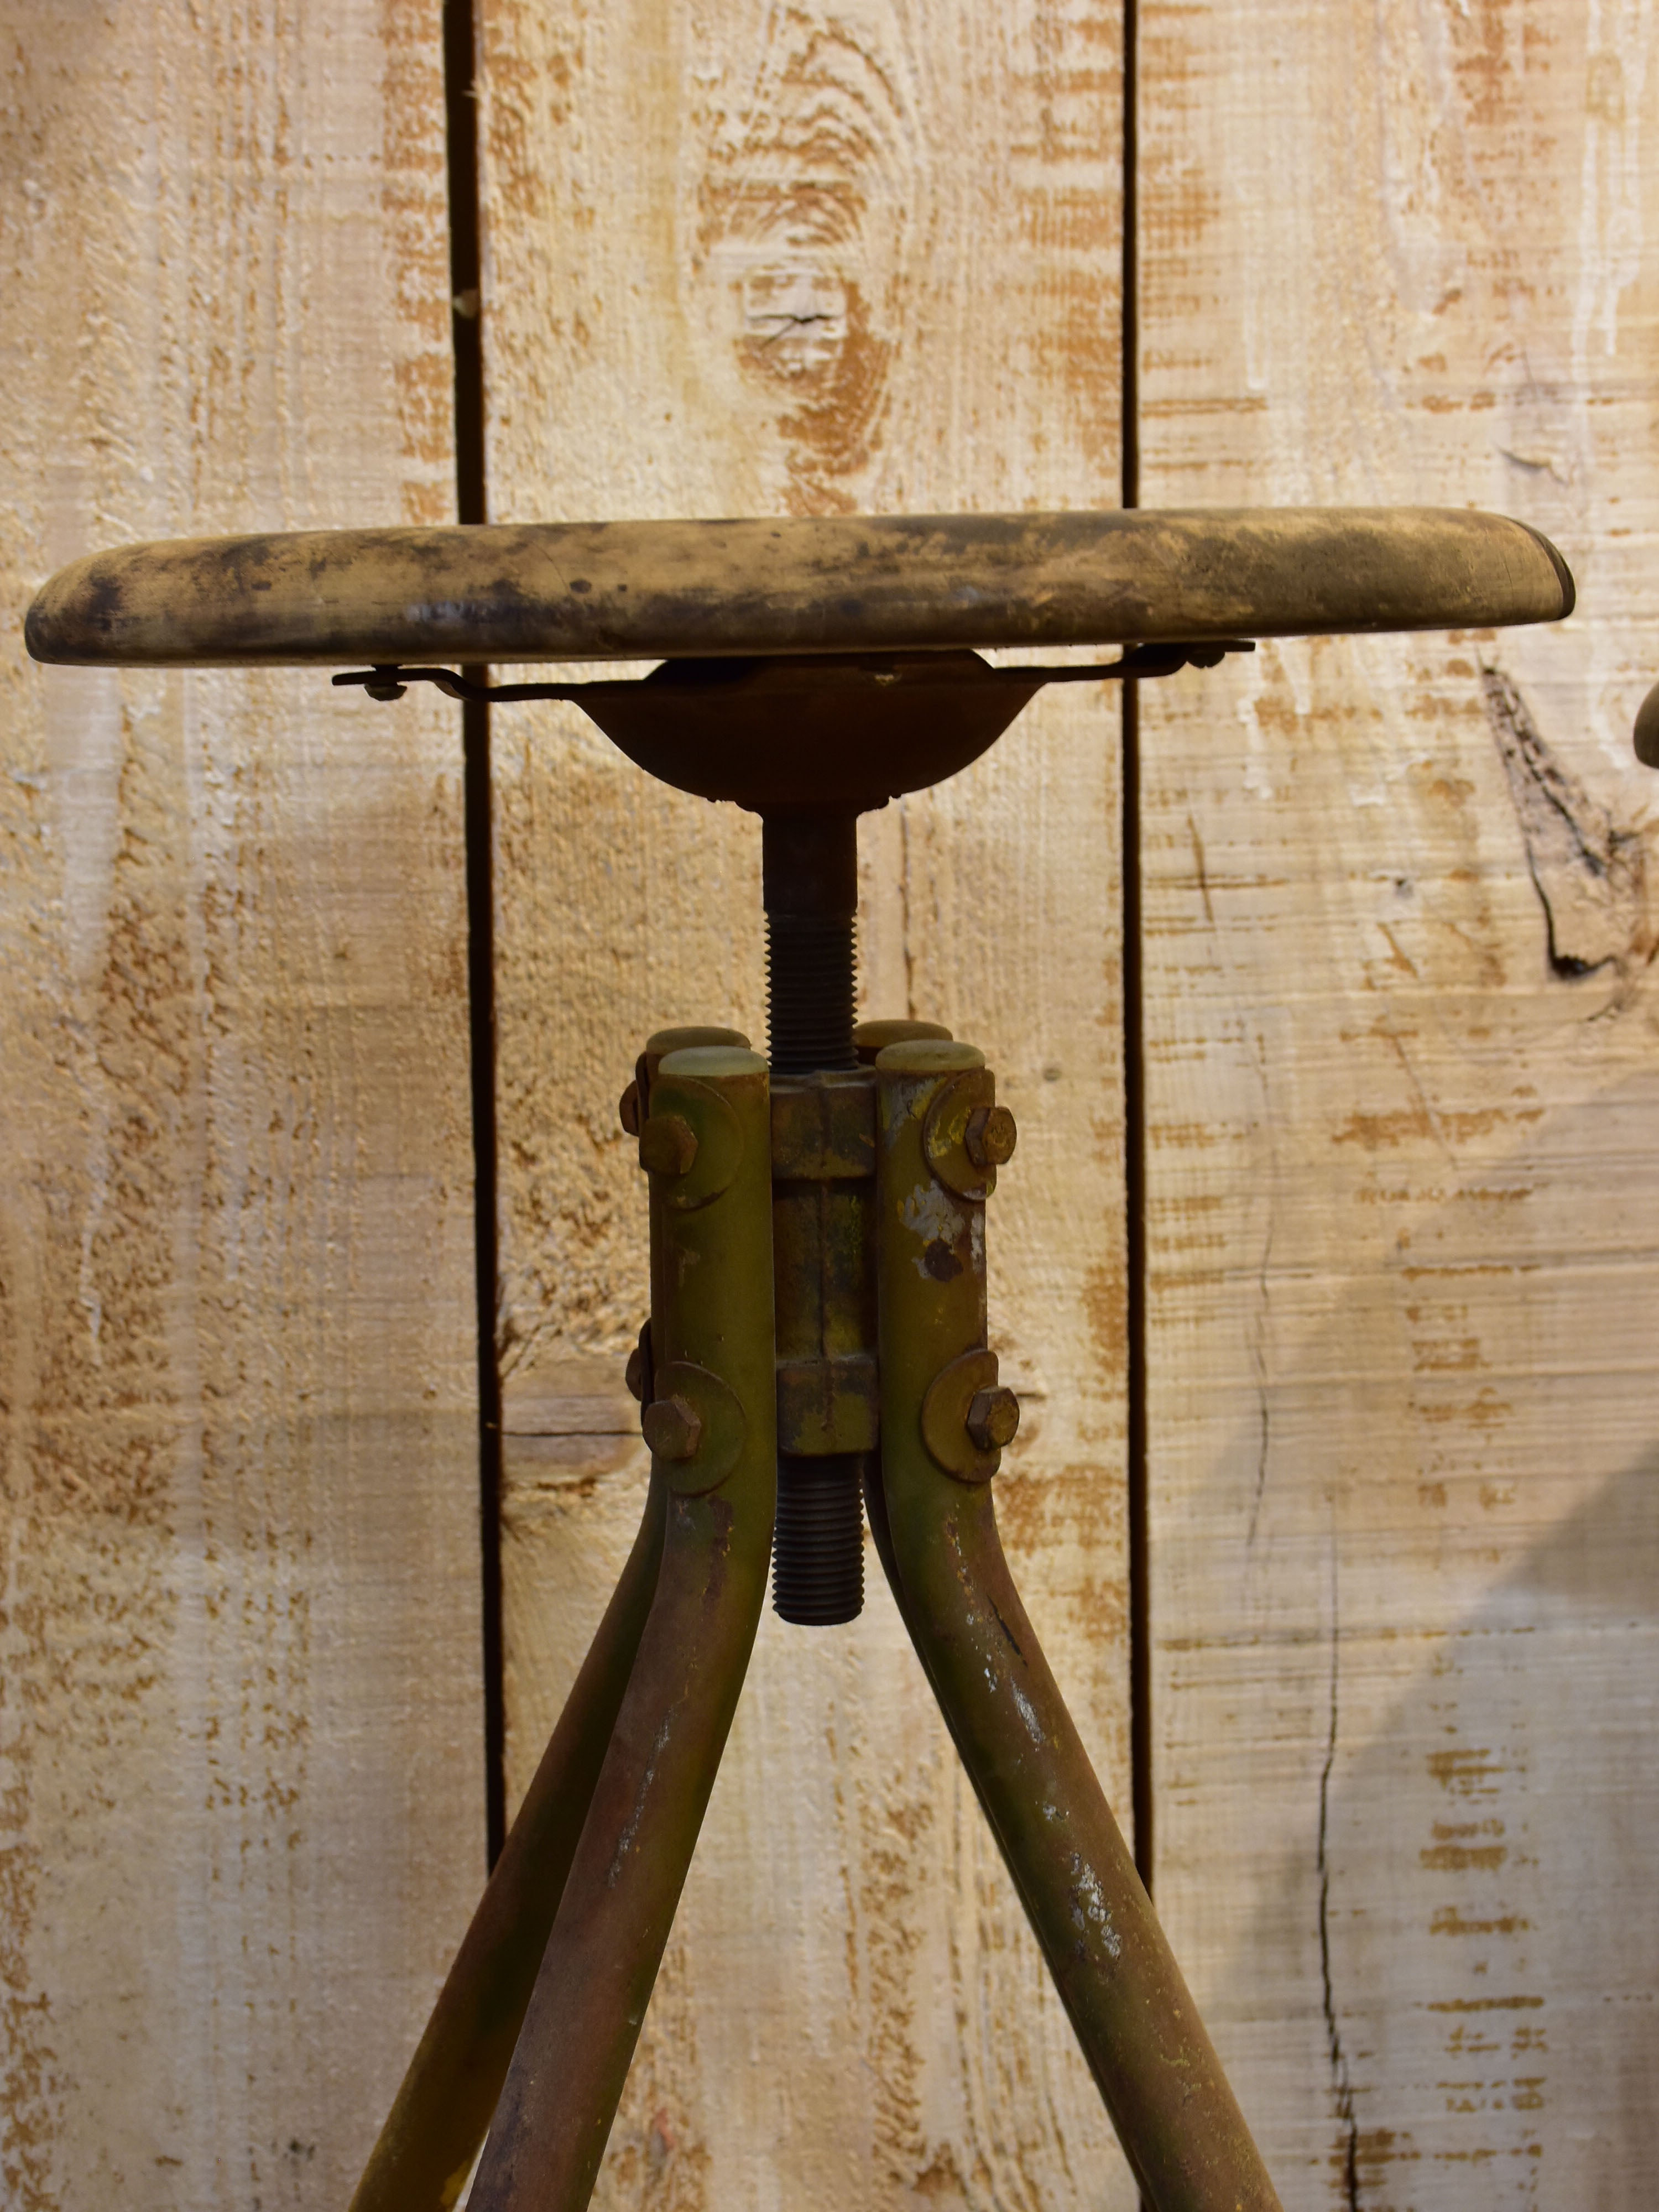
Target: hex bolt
<point>668,1145</point>
<point>993,1418</point>
<point>671,1429</point>
<point>628,1111</point>
<point>990,1137</point>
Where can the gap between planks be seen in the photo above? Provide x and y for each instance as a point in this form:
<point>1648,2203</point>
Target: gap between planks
<point>466,320</point>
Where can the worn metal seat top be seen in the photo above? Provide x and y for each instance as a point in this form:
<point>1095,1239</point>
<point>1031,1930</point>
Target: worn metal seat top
<point>648,591</point>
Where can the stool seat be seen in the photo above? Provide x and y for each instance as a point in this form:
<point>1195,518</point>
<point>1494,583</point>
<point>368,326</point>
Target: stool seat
<point>648,591</point>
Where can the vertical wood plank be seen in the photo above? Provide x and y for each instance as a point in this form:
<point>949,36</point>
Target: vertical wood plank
<point>1400,1031</point>
<point>239,1703</point>
<point>760,259</point>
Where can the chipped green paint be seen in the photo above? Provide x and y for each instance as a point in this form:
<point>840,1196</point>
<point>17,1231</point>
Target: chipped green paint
<point>1155,2066</point>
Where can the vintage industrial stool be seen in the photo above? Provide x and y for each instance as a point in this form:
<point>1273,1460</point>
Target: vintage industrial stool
<point>818,1321</point>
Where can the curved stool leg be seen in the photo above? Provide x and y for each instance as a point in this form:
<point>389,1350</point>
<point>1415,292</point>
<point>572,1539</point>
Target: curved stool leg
<point>425,2151</point>
<point>713,1429</point>
<point>1139,2030</point>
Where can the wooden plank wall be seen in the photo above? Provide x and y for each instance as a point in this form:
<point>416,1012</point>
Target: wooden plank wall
<point>239,1712</point>
<point>763,259</point>
<point>759,259</point>
<point>1403,1084</point>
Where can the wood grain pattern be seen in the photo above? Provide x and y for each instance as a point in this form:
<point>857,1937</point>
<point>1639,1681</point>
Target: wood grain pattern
<point>239,1711</point>
<point>1401,1042</point>
<point>762,259</point>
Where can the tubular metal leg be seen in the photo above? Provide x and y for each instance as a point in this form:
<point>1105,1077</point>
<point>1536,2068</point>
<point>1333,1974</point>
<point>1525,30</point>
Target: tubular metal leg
<point>426,2149</point>
<point>1134,2018</point>
<point>712,1426</point>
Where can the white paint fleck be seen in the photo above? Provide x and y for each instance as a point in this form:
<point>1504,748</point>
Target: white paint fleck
<point>625,1842</point>
<point>932,1218</point>
<point>1033,1726</point>
<point>1094,1905</point>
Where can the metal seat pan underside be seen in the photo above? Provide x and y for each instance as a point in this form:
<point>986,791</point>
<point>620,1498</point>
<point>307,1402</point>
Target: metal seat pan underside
<point>648,591</point>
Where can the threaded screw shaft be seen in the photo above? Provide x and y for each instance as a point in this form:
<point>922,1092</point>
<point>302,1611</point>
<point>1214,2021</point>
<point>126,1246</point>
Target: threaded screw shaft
<point>810,877</point>
<point>817,1553</point>
<point>810,989</point>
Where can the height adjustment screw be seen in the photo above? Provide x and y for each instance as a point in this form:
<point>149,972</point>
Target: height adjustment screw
<point>990,1137</point>
<point>668,1145</point>
<point>671,1429</point>
<point>993,1416</point>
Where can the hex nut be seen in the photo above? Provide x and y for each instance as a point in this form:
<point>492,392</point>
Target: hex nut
<point>993,1418</point>
<point>695,1425</point>
<point>671,1429</point>
<point>944,1406</point>
<point>628,1111</point>
<point>990,1137</point>
<point>668,1145</point>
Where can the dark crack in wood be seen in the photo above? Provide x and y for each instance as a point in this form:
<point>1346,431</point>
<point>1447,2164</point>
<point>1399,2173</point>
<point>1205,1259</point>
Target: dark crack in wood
<point>1590,871</point>
<point>1348,2151</point>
